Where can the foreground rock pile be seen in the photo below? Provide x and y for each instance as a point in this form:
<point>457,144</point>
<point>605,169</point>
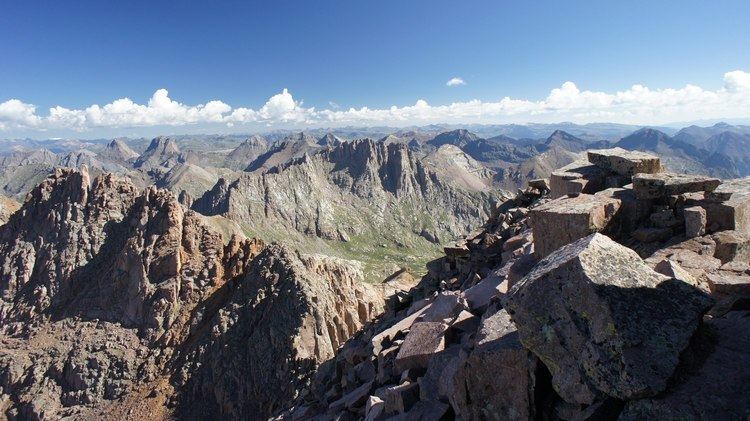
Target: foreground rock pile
<point>120,303</point>
<point>612,290</point>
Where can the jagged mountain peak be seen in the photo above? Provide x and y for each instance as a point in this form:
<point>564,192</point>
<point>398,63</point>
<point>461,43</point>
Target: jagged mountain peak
<point>565,140</point>
<point>118,150</point>
<point>164,144</point>
<point>246,152</point>
<point>163,151</point>
<point>105,289</point>
<point>253,141</point>
<point>330,139</point>
<point>458,137</point>
<point>362,188</point>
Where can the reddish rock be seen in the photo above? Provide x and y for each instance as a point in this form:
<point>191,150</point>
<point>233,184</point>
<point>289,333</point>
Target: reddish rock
<point>624,162</point>
<point>446,305</point>
<point>499,373</point>
<point>674,270</point>
<point>729,284</point>
<point>564,220</point>
<point>399,399</point>
<point>654,186</point>
<point>423,340</point>
<point>732,246</point>
<point>578,177</point>
<point>695,221</point>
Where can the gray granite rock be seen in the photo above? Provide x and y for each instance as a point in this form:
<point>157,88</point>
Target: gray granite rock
<point>603,322</point>
<point>424,339</point>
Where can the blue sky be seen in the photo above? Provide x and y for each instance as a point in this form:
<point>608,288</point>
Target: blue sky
<point>336,55</point>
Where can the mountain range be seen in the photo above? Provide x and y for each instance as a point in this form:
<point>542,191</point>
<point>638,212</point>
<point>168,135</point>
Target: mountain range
<point>367,279</point>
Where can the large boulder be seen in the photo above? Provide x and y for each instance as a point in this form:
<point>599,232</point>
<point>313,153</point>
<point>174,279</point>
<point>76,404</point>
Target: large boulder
<point>732,246</point>
<point>624,162</point>
<point>603,322</point>
<point>579,177</point>
<point>424,340</point>
<point>567,219</point>
<point>729,206</point>
<point>499,374</point>
<point>728,283</point>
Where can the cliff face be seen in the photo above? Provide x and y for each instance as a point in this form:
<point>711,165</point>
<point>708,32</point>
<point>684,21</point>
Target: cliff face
<point>359,188</point>
<point>284,305</point>
<point>60,228</point>
<point>109,292</point>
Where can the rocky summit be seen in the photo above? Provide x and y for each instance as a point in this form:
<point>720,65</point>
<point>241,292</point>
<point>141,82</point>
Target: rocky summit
<point>613,289</point>
<point>561,307</point>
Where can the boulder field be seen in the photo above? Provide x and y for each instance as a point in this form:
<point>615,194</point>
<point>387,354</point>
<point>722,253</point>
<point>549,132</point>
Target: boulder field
<point>613,290</point>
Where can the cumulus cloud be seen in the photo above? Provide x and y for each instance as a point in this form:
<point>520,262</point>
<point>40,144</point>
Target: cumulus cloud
<point>456,81</point>
<point>636,105</point>
<point>14,113</point>
<point>737,81</point>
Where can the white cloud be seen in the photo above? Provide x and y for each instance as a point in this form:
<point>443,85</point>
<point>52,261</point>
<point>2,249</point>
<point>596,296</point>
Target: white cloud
<point>456,81</point>
<point>14,113</point>
<point>737,81</point>
<point>636,105</point>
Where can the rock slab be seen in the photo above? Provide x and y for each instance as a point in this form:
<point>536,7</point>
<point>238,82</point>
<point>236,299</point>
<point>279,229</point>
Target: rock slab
<point>624,162</point>
<point>655,186</point>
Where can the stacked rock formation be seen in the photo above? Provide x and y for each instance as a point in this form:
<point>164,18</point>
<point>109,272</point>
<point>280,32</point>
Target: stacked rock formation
<point>560,308</point>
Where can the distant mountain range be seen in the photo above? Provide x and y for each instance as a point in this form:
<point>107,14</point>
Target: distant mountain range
<point>348,185</point>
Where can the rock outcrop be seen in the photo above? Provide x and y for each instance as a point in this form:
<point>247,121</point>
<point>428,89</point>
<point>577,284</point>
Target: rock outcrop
<point>108,292</point>
<point>285,315</point>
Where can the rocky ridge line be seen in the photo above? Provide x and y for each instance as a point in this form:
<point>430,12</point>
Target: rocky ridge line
<point>540,315</point>
<point>109,293</point>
